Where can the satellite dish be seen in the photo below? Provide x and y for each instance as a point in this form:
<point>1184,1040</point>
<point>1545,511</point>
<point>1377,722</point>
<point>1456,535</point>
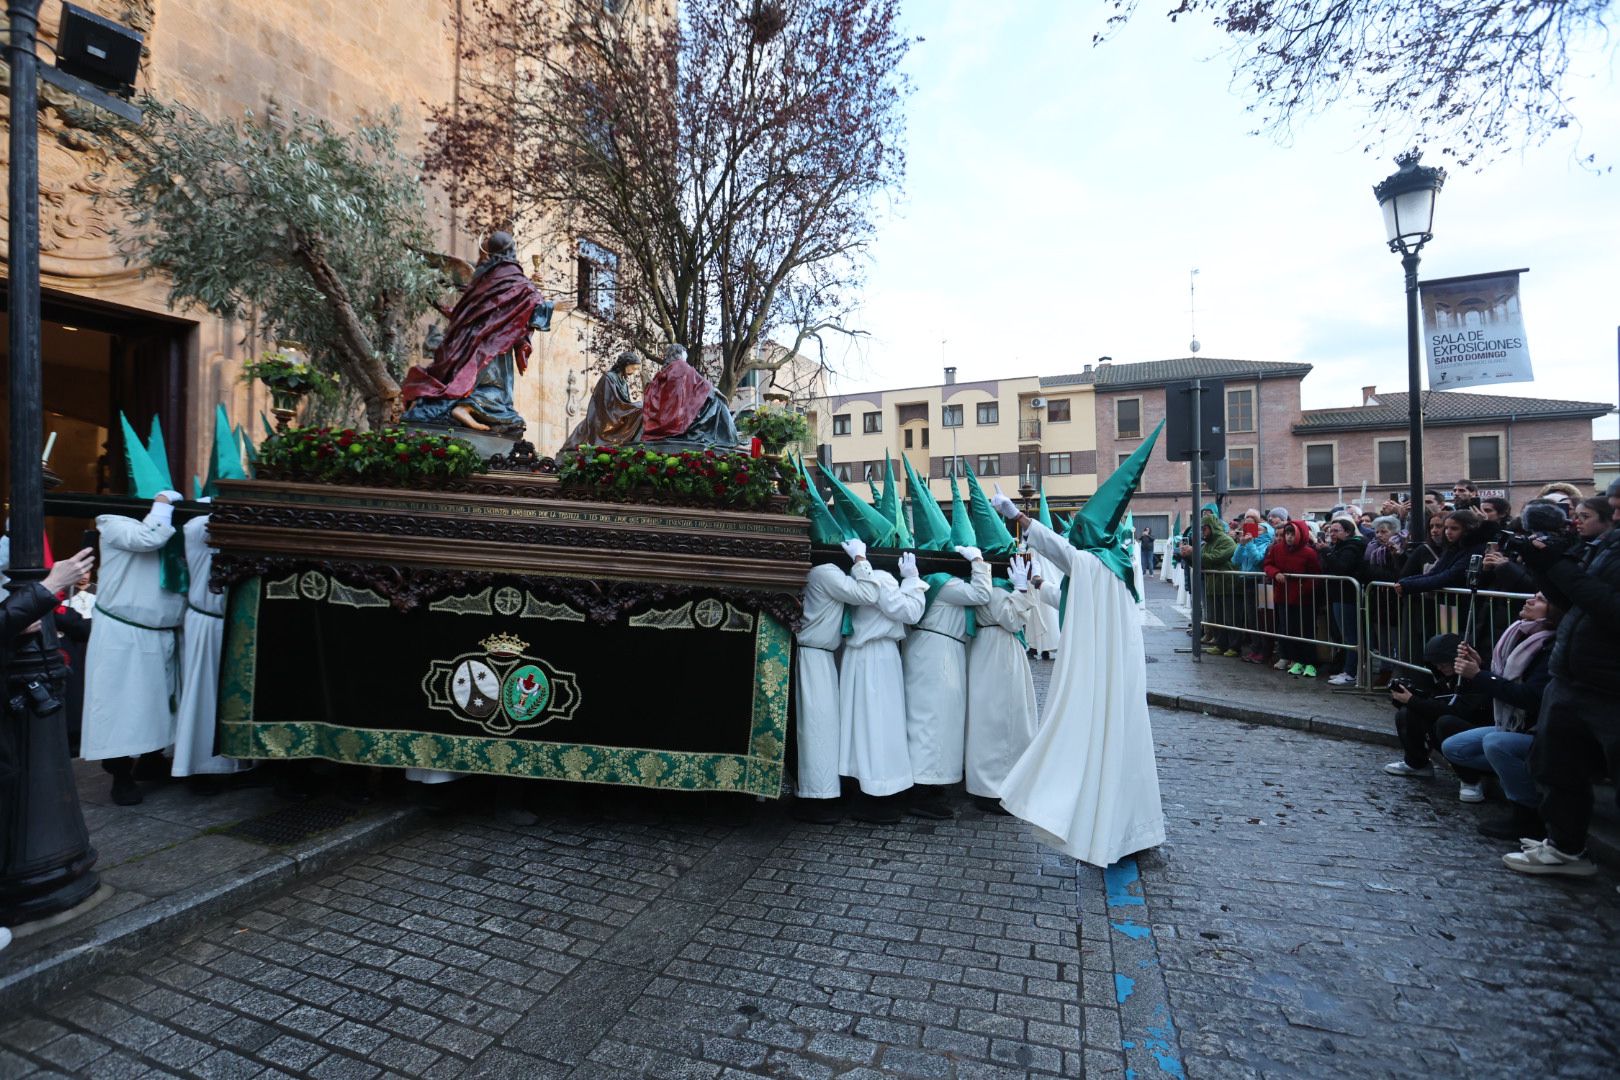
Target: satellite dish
<point>1194,346</point>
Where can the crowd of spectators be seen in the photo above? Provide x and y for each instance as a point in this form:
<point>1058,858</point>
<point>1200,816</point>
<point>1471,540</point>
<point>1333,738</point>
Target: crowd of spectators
<point>1524,706</point>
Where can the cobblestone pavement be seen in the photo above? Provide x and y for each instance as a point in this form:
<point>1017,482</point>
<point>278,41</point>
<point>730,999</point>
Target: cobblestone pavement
<point>1309,917</point>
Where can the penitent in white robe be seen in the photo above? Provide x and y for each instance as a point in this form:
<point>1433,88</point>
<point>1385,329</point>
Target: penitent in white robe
<point>131,673</point>
<point>1089,782</point>
<point>872,688</point>
<point>815,683</point>
<point>935,657</point>
<point>201,642</point>
<point>1001,715</point>
<point>1042,630</point>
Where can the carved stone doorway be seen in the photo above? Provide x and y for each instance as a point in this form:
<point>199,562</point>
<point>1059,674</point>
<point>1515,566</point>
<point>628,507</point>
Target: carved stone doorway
<point>97,360</point>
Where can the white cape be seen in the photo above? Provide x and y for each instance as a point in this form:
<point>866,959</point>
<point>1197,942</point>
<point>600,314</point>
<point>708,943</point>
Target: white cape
<point>1042,631</point>
<point>1089,782</point>
<point>201,643</point>
<point>1001,714</point>
<point>131,674</point>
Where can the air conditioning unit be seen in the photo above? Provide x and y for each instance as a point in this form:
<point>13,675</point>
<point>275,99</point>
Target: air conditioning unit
<point>1037,403</point>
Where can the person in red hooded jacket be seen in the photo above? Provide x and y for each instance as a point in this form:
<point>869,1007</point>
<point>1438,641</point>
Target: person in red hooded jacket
<point>1290,555</point>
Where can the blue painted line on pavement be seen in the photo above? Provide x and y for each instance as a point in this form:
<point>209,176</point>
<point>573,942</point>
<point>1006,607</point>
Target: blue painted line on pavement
<point>1148,1032</point>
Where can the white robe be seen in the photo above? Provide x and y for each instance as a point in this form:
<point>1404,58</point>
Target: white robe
<point>201,642</point>
<point>1042,630</point>
<point>815,683</point>
<point>935,656</point>
<point>1001,715</point>
<point>131,675</point>
<point>1089,782</point>
<point>872,688</point>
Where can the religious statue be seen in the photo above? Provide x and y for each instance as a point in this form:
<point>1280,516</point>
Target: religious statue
<point>682,410</point>
<point>470,381</point>
<point>612,418</point>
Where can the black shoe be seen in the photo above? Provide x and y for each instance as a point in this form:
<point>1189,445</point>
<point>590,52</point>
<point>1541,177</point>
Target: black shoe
<point>816,811</point>
<point>204,785</point>
<point>154,767</point>
<point>989,805</point>
<point>125,791</point>
<point>928,801</point>
<point>1046,656</point>
<point>876,810</point>
<point>1519,821</point>
<point>1031,652</point>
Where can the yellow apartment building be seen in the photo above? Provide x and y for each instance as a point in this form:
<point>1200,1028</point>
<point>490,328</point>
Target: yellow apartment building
<point>1012,431</point>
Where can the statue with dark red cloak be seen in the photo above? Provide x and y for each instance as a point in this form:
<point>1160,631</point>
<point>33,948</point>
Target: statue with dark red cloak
<point>613,418</point>
<point>682,410</point>
<point>485,347</point>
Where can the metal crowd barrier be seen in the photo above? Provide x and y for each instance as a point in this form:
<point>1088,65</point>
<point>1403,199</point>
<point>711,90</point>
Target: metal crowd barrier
<point>1399,626</point>
<point>1247,611</point>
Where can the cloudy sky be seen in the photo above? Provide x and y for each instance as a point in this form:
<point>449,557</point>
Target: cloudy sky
<point>1059,194</point>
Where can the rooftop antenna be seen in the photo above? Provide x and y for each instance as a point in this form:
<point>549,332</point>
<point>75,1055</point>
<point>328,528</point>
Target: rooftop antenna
<point>1192,308</point>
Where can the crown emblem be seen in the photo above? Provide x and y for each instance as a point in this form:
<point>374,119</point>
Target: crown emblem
<point>504,644</point>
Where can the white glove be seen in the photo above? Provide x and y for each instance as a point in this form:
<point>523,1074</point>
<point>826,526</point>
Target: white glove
<point>971,554</point>
<point>162,513</point>
<point>854,547</point>
<point>204,499</point>
<point>1018,573</point>
<point>172,496</point>
<point>908,565</point>
<point>1004,506</point>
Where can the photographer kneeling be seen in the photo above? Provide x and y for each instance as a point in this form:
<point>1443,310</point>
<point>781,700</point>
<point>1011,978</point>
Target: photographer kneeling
<point>1515,681</point>
<point>1426,716</point>
<point>1579,725</point>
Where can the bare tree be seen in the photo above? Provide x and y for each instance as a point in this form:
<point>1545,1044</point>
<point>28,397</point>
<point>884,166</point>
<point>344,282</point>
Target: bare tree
<point>722,169</point>
<point>1473,77</point>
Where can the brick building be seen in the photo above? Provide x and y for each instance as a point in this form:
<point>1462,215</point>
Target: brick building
<point>1511,446</point>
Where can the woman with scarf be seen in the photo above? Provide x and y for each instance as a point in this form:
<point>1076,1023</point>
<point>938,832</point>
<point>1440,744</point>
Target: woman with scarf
<point>1514,680</point>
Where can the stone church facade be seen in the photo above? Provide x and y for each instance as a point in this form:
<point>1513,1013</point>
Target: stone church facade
<point>111,341</point>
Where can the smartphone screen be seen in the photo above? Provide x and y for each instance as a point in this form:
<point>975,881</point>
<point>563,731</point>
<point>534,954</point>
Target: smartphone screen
<point>1492,548</point>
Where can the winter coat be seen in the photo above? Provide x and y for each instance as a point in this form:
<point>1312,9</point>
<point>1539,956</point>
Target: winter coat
<point>1251,556</point>
<point>1299,559</point>
<point>1347,558</point>
<point>1216,554</point>
<point>1588,640</point>
<point>1449,573</point>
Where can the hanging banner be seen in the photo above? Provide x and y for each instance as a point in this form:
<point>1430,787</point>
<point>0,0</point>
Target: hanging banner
<point>1473,331</point>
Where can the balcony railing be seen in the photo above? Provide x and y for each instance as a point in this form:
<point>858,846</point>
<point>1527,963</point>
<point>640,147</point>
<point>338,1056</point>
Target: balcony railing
<point>1029,430</point>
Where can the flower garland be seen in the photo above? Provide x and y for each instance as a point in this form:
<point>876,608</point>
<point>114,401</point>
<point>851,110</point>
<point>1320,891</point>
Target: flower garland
<point>344,455</point>
<point>725,479</point>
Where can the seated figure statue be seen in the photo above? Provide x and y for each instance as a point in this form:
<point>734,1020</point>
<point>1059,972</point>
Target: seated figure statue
<point>682,410</point>
<point>612,418</point>
<point>470,381</point>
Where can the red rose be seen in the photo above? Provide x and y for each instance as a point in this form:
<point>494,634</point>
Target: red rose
<point>439,453</point>
<point>742,476</point>
<point>404,456</point>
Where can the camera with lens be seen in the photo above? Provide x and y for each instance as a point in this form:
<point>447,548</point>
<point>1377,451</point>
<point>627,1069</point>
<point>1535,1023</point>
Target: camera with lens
<point>1546,522</point>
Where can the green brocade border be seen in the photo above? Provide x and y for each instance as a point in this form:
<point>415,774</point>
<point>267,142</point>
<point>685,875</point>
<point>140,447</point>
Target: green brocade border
<point>759,772</point>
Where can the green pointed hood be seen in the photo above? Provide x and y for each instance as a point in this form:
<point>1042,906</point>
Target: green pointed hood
<point>225,460</point>
<point>877,494</point>
<point>961,526</point>
<point>824,528</point>
<point>148,464</point>
<point>250,453</point>
<point>988,527</point>
<point>933,532</point>
<point>1096,527</point>
<point>1045,516</point>
<point>889,506</point>
<point>862,519</point>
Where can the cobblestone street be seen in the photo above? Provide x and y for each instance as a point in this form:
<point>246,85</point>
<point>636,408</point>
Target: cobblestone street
<point>1309,917</point>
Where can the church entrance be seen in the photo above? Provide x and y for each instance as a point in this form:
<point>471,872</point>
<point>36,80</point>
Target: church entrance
<point>97,360</point>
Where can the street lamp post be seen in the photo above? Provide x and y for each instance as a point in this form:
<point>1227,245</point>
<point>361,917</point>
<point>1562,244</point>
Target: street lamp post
<point>1407,198</point>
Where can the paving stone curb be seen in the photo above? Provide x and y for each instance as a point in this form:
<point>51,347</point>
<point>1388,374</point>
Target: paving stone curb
<point>73,958</point>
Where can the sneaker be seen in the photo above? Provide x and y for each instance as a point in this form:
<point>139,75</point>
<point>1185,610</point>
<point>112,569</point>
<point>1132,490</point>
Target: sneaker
<point>1212,650</point>
<point>1341,679</point>
<point>1253,658</point>
<point>1401,768</point>
<point>1471,792</point>
<point>1296,669</point>
<point>1281,665</point>
<point>1310,671</point>
<point>1230,653</point>
<point>1543,858</point>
